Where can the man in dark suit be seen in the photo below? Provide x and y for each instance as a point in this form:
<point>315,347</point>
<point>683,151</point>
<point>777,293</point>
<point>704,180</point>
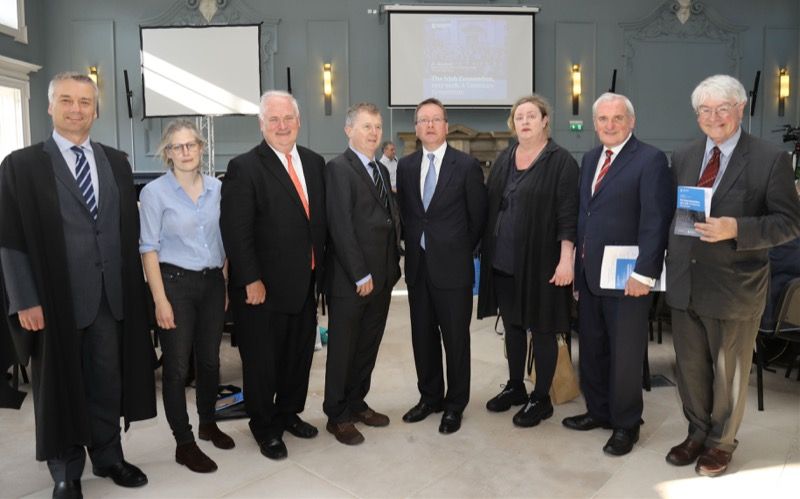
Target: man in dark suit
<point>273,224</point>
<point>626,198</point>
<point>361,269</point>
<point>74,290</point>
<point>442,202</point>
<point>717,284</point>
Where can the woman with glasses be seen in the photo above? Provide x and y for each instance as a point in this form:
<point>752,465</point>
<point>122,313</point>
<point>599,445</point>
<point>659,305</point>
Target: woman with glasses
<point>183,259</point>
<point>527,254</point>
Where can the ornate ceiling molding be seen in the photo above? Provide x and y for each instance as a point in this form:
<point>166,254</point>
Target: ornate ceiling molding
<point>663,24</point>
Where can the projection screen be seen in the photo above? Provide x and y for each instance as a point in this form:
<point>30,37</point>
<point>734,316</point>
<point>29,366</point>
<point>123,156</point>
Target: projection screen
<point>465,57</point>
<point>201,70</point>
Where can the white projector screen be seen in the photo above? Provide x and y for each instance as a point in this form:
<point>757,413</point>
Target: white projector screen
<point>201,70</point>
<point>466,59</point>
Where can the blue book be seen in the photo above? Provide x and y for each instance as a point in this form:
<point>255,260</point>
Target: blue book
<point>693,205</point>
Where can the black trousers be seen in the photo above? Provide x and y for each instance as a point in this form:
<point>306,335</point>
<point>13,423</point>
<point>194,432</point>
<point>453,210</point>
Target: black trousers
<point>102,380</point>
<point>276,350</point>
<point>545,346</point>
<point>612,337</point>
<point>355,330</point>
<point>440,316</point>
<point>198,304</point>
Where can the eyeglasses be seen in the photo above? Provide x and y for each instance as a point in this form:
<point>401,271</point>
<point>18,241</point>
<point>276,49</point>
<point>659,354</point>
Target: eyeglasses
<point>722,111</point>
<point>286,120</point>
<point>188,147</point>
<point>428,121</point>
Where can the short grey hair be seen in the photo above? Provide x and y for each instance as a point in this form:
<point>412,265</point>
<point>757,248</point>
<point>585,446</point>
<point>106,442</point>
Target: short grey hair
<point>353,111</point>
<point>166,138</point>
<point>721,87</point>
<point>269,94</point>
<point>70,75</point>
<point>610,97</point>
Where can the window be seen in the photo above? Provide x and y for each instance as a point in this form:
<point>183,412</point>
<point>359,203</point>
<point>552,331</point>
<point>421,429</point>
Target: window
<point>14,95</point>
<point>12,19</point>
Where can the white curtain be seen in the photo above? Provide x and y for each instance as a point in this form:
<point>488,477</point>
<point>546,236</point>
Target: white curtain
<point>11,134</point>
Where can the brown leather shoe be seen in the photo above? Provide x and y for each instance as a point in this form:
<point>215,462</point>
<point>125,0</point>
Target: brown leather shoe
<point>190,455</point>
<point>210,431</point>
<point>685,452</point>
<point>713,462</point>
<point>372,418</point>
<point>345,433</point>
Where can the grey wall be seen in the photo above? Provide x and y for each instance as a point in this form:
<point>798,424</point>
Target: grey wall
<point>658,61</point>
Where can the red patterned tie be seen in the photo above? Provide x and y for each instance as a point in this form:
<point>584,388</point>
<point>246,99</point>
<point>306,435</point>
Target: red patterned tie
<point>299,187</point>
<point>603,170</point>
<point>712,169</point>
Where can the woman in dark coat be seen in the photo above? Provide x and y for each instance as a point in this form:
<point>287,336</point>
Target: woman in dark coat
<point>528,254</point>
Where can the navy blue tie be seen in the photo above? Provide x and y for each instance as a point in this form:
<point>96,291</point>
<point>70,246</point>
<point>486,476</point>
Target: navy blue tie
<point>84,179</point>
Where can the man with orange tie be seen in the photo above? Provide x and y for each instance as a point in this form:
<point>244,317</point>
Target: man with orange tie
<point>273,224</point>
<point>717,283</point>
<point>626,198</point>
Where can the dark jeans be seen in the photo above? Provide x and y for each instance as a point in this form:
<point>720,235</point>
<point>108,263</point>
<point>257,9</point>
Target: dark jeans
<point>198,304</point>
<point>545,346</point>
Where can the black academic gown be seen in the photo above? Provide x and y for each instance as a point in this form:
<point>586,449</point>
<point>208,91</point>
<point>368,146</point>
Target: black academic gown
<point>30,222</point>
<point>547,213</point>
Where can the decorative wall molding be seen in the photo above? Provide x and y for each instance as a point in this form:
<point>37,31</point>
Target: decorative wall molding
<point>704,24</point>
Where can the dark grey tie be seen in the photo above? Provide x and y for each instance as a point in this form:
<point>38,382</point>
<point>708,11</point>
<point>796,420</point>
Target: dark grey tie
<point>378,179</point>
<point>84,179</point>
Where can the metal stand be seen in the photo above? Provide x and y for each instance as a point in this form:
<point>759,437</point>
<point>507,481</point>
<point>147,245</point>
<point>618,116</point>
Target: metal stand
<point>133,148</point>
<point>206,126</point>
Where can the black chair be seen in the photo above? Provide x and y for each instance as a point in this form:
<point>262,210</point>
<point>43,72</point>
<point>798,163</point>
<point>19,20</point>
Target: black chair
<point>787,328</point>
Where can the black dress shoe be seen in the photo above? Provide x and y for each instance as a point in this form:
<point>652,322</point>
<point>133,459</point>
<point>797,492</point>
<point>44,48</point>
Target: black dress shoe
<point>273,448</point>
<point>584,422</point>
<point>512,394</point>
<point>621,441</point>
<point>533,412</point>
<point>420,412</point>
<point>451,422</point>
<point>123,473</point>
<point>71,489</point>
<point>301,429</point>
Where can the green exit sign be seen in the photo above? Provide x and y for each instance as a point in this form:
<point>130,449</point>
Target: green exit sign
<point>576,125</point>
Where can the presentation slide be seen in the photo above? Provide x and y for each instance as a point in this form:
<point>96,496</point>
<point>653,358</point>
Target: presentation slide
<point>208,70</point>
<point>462,59</point>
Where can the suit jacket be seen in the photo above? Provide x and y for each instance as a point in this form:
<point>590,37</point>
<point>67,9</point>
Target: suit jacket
<point>729,279</point>
<point>264,226</point>
<point>632,206</point>
<point>364,235</point>
<point>453,223</point>
<point>46,224</point>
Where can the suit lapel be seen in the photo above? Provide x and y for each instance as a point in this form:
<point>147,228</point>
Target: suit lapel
<point>313,186</point>
<point>695,159</point>
<point>734,169</point>
<point>414,178</point>
<point>105,179</point>
<point>618,164</point>
<point>446,171</point>
<point>62,171</point>
<point>587,172</point>
<point>272,164</point>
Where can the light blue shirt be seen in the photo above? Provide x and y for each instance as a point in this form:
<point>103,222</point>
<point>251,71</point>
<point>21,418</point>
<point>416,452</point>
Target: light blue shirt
<point>65,148</point>
<point>182,232</point>
<point>726,150</point>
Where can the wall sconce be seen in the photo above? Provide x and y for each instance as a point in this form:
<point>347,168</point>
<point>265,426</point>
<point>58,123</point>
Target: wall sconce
<point>327,87</point>
<point>783,90</point>
<point>576,88</point>
<point>93,74</point>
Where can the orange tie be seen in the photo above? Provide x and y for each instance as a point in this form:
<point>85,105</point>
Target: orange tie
<point>299,187</point>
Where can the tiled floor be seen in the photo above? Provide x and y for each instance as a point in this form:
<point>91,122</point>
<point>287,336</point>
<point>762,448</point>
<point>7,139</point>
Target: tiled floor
<point>489,457</point>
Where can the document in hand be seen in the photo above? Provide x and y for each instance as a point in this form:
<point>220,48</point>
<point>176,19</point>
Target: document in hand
<point>694,205</point>
<point>617,267</point>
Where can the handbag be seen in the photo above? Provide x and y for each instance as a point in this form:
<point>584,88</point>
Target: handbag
<point>565,383</point>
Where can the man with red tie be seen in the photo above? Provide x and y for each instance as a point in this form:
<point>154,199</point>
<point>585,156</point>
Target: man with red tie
<point>273,223</point>
<point>717,283</point>
<point>626,198</point>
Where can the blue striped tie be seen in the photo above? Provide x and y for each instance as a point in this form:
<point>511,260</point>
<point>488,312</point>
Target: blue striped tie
<point>84,179</point>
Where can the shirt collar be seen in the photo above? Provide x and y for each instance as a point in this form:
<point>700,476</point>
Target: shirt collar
<point>438,152</point>
<point>617,148</point>
<point>173,181</point>
<point>282,156</point>
<point>65,144</point>
<point>727,147</point>
<point>364,159</point>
